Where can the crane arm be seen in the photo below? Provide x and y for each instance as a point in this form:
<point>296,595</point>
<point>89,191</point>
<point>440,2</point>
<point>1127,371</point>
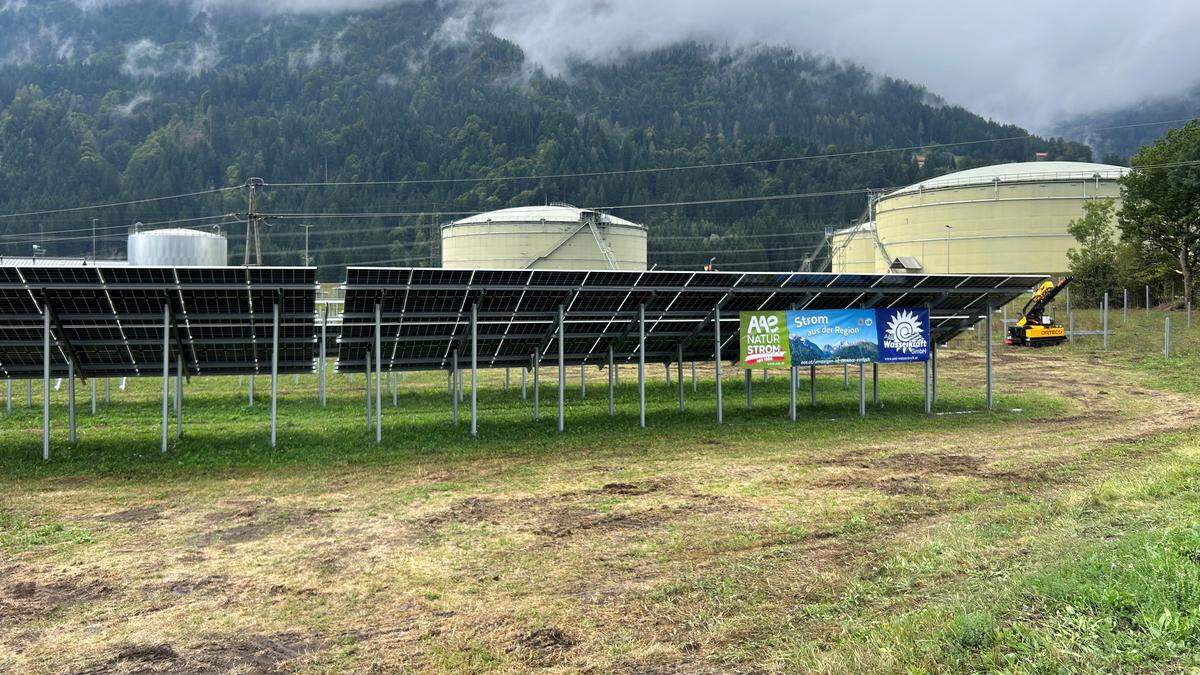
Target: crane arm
<point>1032,312</point>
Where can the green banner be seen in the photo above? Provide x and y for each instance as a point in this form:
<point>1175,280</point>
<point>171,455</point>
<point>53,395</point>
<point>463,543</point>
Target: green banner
<point>764,340</point>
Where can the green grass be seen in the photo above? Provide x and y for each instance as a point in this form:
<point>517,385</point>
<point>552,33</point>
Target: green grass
<point>222,433</point>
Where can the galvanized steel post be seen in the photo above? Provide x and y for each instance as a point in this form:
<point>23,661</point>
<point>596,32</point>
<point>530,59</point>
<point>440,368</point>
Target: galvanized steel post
<point>989,356</point>
<point>642,366</point>
<point>474,369</point>
<point>71,401</point>
<point>717,362</point>
<point>562,368</point>
<point>166,369</point>
<point>1167,337</point>
<point>275,370</point>
<point>679,373</point>
<point>862,389</point>
<point>1104,315</point>
<point>611,387</point>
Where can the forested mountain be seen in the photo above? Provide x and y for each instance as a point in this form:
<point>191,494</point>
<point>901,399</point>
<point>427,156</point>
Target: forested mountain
<point>1138,125</point>
<point>134,99</point>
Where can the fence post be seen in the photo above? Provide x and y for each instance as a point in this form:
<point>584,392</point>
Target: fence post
<point>1071,326</point>
<point>1147,299</point>
<point>1104,313</point>
<point>1124,305</point>
<point>1167,338</point>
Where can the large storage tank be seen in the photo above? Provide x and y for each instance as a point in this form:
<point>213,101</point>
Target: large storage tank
<point>177,248</point>
<point>558,236</point>
<point>1006,218</point>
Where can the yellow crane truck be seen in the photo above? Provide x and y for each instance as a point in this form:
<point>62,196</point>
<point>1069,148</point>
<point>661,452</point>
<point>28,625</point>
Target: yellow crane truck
<point>1034,328</point>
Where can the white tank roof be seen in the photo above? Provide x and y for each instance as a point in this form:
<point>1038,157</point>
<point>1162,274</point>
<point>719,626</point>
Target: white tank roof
<point>556,213</point>
<point>178,232</point>
<point>1019,172</point>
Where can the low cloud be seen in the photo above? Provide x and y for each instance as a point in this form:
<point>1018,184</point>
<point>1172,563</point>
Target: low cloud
<point>1027,61</point>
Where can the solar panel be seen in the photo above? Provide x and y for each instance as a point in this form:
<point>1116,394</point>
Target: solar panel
<point>110,320</point>
<point>425,312</point>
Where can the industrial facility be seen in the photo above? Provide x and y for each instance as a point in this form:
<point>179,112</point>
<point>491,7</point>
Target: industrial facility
<point>177,247</point>
<point>558,236</point>
<point>1006,218</point>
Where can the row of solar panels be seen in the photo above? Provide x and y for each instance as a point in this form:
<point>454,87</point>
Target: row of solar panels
<point>110,321</point>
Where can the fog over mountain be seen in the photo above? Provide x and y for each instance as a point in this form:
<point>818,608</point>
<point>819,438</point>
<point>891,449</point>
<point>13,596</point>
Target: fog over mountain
<point>1029,62</point>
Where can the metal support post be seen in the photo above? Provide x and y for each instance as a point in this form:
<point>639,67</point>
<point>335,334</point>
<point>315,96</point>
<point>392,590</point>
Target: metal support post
<point>582,380</point>
<point>378,374</point>
<point>1167,337</point>
<point>612,394</point>
<point>71,438</point>
<point>1071,326</point>
<point>928,389</point>
<point>46,386</point>
<point>274,371</point>
<point>179,395</point>
<point>474,369</point>
<point>749,389</point>
<point>693,377</point>
<point>562,367</point>
<point>933,372</point>
<point>717,363</point>
<point>367,383</point>
<point>642,366</point>
<point>524,389</point>
<point>679,373</point>
<point>813,386</point>
<point>395,390</point>
<point>506,378</point>
<point>93,395</point>
<point>321,364</point>
<point>875,384</point>
<point>667,373</point>
<point>250,389</point>
<point>845,376</point>
<point>989,357</point>
<point>793,376</point>
<point>1124,305</point>
<point>862,390</point>
<point>166,369</point>
<point>1104,314</point>
<point>454,393</point>
<point>537,389</point>
<point>1147,299</point>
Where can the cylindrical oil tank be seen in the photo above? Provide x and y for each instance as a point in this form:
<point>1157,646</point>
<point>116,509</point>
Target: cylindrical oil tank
<point>177,248</point>
<point>1001,219</point>
<point>558,236</point>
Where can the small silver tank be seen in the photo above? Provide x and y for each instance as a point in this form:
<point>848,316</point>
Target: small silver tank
<point>178,248</point>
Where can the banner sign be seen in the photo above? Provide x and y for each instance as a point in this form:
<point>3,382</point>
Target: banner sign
<point>835,336</point>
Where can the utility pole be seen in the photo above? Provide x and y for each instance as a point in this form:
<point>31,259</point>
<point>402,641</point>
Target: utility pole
<point>252,220</point>
<point>94,239</point>
<point>307,262</point>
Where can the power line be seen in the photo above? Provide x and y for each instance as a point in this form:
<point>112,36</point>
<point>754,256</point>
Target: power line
<point>712,165</point>
<point>111,205</point>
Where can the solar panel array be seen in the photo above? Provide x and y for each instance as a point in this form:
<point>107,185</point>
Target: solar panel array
<point>109,320</point>
<point>425,312</point>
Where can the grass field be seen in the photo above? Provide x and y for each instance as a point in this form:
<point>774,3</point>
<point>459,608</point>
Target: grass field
<point>1060,532</point>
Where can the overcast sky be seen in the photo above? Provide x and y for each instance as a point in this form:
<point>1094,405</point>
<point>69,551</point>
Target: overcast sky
<point>1024,61</point>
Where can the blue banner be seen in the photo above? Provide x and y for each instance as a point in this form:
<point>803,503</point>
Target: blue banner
<point>837,336</point>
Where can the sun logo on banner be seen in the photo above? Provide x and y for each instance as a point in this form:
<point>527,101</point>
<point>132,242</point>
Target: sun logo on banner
<point>904,333</point>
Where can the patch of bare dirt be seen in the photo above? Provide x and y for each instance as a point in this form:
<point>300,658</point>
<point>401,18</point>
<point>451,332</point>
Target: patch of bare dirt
<point>137,514</point>
<point>249,520</point>
<point>28,598</point>
<point>253,654</point>
<point>543,647</point>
